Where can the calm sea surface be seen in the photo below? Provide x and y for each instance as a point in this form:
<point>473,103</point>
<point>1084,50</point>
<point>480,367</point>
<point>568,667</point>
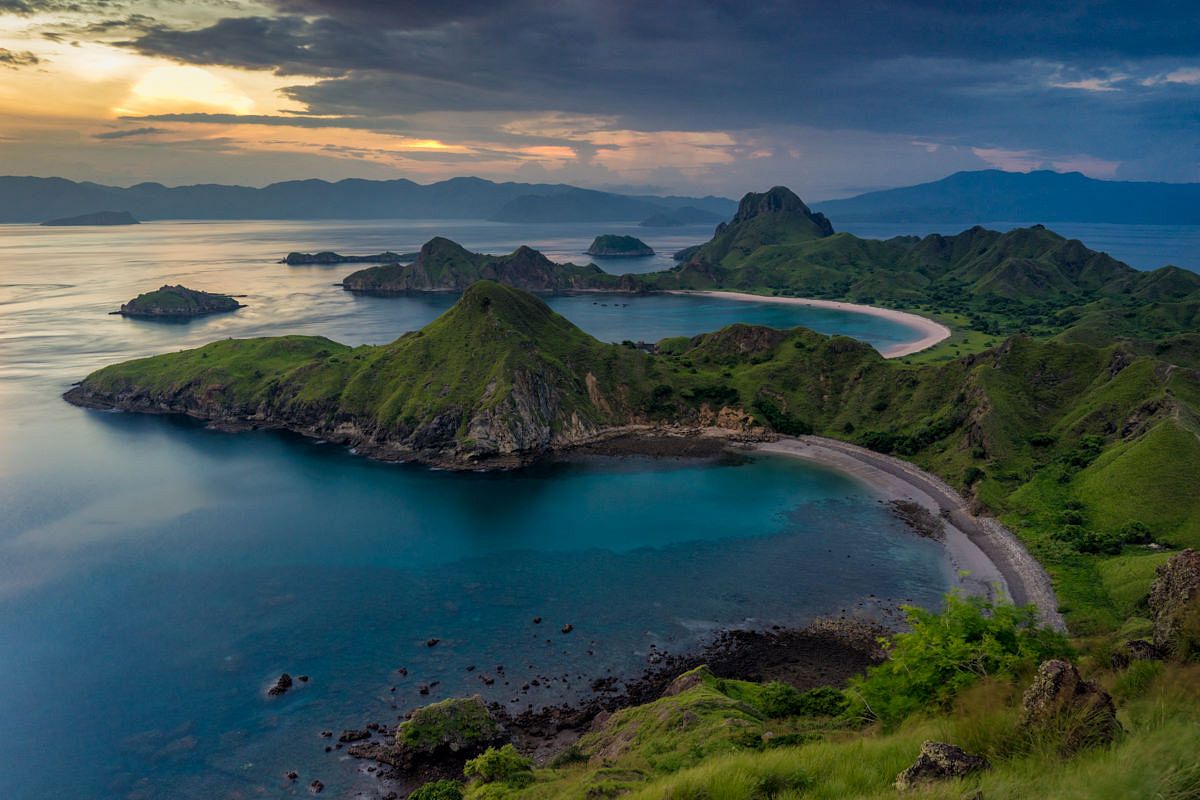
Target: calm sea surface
<point>155,576</point>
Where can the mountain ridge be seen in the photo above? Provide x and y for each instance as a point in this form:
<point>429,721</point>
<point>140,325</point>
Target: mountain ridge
<point>1041,195</point>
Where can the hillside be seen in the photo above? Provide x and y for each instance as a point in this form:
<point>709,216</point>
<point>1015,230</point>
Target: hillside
<point>993,196</point>
<point>443,265</point>
<point>497,378</point>
<point>30,199</point>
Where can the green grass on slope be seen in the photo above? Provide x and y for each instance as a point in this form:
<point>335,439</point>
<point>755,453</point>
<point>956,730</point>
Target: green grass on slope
<point>1152,479</point>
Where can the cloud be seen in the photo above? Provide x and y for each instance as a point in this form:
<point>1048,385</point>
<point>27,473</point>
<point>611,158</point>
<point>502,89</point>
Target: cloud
<point>130,133</point>
<point>16,59</point>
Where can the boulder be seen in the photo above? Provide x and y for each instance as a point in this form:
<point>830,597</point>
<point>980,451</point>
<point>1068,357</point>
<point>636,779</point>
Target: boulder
<point>1175,604</point>
<point>939,761</point>
<point>443,735</point>
<point>1060,702</point>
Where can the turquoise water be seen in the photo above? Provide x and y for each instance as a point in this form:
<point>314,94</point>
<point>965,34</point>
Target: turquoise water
<point>155,576</point>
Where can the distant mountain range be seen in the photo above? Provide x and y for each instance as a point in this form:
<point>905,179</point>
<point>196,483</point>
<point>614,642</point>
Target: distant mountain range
<point>26,199</point>
<point>962,198</point>
<point>1041,196</point>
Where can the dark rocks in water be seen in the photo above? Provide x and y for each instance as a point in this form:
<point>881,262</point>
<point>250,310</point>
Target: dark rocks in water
<point>402,672</point>
<point>537,620</point>
<point>326,734</point>
<point>1059,701</point>
<point>1175,604</point>
<point>353,735</point>
<point>432,642</point>
<point>939,761</point>
<point>328,257</point>
<point>316,787</point>
<point>281,685</point>
<point>178,301</point>
<point>292,775</point>
<point>613,246</point>
<point>302,678</point>
<point>99,218</point>
<point>568,628</point>
<point>423,689</point>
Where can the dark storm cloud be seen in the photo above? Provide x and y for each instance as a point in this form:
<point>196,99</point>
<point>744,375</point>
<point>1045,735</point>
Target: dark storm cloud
<point>131,133</point>
<point>977,73</point>
<point>14,59</point>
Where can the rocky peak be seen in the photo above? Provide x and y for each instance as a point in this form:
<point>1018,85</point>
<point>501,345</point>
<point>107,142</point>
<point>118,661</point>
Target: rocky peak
<point>778,200</point>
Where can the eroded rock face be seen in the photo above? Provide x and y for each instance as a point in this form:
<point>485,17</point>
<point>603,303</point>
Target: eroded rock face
<point>939,761</point>
<point>1175,603</point>
<point>1060,702</point>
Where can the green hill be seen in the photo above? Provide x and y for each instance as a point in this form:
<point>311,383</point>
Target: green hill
<point>176,302</point>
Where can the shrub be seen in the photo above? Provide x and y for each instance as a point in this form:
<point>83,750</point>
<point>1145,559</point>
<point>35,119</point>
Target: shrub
<point>781,700</point>
<point>943,653</point>
<point>505,765</point>
<point>438,790</point>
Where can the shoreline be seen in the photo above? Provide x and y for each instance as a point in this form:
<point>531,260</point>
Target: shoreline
<point>994,557</point>
<point>932,332</point>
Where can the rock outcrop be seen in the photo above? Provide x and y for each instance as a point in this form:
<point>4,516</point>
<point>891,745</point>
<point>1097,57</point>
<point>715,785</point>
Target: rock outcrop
<point>1062,704</point>
<point>1175,604</point>
<point>612,246</point>
<point>177,301</point>
<point>939,761</point>
<point>438,739</point>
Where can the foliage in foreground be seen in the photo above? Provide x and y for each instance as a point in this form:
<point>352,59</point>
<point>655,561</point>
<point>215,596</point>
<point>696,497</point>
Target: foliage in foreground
<point>944,653</point>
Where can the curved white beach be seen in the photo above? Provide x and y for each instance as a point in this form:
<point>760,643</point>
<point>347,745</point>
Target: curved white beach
<point>931,331</point>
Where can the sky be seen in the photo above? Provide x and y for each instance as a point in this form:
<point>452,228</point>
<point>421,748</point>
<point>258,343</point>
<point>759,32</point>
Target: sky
<point>695,96</point>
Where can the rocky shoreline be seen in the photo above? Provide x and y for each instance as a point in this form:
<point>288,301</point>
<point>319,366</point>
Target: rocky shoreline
<point>828,652</point>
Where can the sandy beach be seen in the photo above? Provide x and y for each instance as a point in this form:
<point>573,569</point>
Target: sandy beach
<point>987,558</point>
<point>931,332</point>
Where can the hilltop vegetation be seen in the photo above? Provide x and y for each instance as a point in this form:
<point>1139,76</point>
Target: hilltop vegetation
<point>176,302</point>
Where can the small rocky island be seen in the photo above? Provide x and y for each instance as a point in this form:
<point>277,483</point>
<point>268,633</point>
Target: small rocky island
<point>328,257</point>
<point>613,246</point>
<point>177,302</point>
<point>95,218</point>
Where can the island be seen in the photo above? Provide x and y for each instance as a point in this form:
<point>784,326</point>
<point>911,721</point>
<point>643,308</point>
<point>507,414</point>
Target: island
<point>446,266</point>
<point>678,217</point>
<point>613,246</point>
<point>98,218</point>
<point>177,302</point>
<point>328,257</point>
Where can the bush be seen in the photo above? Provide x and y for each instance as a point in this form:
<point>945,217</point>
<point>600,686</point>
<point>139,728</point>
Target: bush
<point>781,700</point>
<point>438,790</point>
<point>943,653</point>
<point>505,765</point>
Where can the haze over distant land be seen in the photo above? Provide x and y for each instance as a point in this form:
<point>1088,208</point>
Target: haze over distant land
<point>27,199</point>
<point>993,195</point>
<point>963,198</point>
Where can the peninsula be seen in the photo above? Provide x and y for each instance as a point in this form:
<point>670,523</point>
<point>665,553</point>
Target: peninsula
<point>445,266</point>
<point>326,257</point>
<point>97,218</point>
<point>177,302</point>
